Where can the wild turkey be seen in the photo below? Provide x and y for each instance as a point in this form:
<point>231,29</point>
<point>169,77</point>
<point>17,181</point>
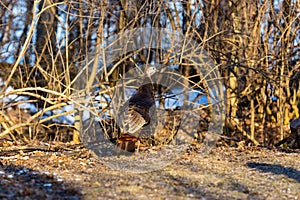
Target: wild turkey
<point>293,140</point>
<point>135,113</point>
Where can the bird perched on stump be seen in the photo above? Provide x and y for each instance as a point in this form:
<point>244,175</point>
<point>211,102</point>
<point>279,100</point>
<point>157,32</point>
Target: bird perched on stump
<point>135,113</point>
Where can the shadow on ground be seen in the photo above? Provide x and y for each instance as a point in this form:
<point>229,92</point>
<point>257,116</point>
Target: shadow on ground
<point>24,183</point>
<point>276,169</point>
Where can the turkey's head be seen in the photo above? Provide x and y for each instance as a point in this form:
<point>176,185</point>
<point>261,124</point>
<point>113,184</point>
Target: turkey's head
<point>148,73</point>
<point>150,70</point>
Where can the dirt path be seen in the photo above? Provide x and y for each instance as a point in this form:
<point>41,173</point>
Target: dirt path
<point>226,173</point>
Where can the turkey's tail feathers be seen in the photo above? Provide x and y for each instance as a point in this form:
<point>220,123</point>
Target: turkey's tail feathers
<point>133,118</point>
<point>131,126</point>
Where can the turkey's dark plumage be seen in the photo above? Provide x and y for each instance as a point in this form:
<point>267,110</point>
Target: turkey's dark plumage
<point>134,115</point>
<point>138,108</point>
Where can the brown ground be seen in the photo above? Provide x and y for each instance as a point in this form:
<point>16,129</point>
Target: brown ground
<point>68,172</point>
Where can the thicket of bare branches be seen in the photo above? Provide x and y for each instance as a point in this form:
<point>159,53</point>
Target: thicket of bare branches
<point>254,44</point>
